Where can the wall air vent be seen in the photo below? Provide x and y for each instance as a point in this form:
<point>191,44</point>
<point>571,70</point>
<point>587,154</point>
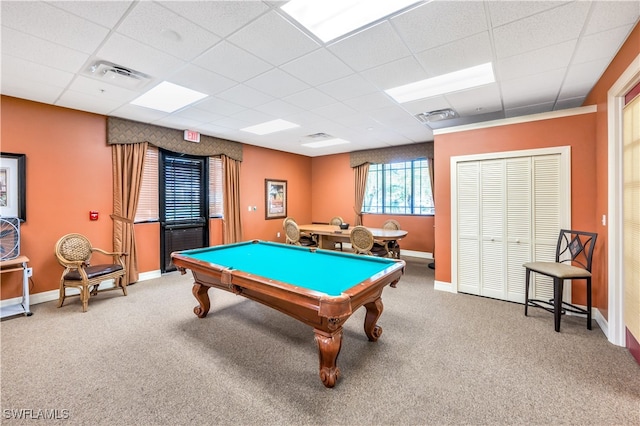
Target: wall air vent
<point>117,75</point>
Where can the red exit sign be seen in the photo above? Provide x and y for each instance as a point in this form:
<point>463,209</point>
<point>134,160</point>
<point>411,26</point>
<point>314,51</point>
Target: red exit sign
<point>191,136</point>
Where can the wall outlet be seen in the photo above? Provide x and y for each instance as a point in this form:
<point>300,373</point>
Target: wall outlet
<point>29,272</point>
<point>278,235</point>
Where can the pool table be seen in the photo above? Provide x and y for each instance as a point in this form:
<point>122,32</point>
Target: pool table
<point>321,288</point>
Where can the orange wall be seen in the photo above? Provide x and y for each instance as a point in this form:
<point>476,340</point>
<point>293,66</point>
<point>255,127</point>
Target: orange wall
<point>598,96</point>
<point>333,189</point>
<point>68,173</point>
<point>576,131</point>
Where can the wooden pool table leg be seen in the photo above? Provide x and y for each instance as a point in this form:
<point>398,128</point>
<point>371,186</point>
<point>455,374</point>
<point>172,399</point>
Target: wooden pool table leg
<point>200,293</point>
<point>374,310</point>
<point>329,345</point>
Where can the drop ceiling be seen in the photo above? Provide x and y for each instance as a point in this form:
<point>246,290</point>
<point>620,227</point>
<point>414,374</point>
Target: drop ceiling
<point>257,65</point>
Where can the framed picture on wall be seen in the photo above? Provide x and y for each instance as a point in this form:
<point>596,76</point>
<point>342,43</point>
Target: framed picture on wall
<point>275,198</point>
<point>13,186</point>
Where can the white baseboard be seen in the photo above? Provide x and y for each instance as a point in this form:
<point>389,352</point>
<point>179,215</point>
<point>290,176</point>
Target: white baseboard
<point>443,286</point>
<point>48,296</point>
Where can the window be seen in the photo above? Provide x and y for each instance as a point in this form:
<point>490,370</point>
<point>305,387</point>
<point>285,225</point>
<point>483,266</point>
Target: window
<point>183,190</point>
<point>148,210</point>
<point>399,188</point>
<point>148,203</point>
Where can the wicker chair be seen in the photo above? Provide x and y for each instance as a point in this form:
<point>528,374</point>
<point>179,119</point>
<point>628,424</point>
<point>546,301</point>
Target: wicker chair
<point>294,236</point>
<point>73,252</point>
<point>362,243</point>
<point>392,245</point>
<point>337,221</point>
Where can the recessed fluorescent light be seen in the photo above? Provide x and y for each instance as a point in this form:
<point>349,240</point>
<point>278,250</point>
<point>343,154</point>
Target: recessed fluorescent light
<point>168,97</point>
<point>326,142</point>
<point>328,20</point>
<point>270,127</point>
<point>446,83</point>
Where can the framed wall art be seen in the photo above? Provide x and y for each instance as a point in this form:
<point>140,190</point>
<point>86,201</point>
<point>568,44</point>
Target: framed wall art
<point>13,185</point>
<point>275,198</point>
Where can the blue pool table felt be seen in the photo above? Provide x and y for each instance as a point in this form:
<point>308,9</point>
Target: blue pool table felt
<point>324,271</point>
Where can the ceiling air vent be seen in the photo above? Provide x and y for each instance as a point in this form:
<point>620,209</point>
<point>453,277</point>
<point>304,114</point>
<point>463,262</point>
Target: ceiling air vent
<point>117,75</point>
<point>438,115</point>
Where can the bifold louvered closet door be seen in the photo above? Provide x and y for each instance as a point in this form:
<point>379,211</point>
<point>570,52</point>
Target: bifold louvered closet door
<point>508,211</point>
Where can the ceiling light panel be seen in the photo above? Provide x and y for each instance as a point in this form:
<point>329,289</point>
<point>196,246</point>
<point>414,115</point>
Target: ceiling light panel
<point>446,83</point>
<point>168,97</point>
<point>270,127</point>
<point>329,20</point>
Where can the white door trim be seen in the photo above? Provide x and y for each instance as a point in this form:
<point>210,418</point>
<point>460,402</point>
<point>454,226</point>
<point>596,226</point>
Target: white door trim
<point>615,103</point>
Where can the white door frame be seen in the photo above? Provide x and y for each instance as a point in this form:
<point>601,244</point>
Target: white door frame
<point>614,326</point>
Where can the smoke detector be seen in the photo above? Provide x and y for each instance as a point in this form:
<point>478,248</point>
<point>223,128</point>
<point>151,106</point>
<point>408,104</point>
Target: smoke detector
<point>117,75</point>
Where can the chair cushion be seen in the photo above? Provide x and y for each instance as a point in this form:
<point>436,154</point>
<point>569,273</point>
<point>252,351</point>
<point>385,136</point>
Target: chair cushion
<point>560,270</point>
<point>93,271</point>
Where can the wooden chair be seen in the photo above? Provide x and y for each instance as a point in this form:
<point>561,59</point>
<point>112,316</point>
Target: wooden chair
<point>362,243</point>
<point>392,246</point>
<point>574,253</point>
<point>74,252</point>
<point>294,236</point>
<point>337,221</point>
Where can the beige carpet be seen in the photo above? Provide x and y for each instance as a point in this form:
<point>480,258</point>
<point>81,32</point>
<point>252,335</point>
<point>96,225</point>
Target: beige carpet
<point>146,359</point>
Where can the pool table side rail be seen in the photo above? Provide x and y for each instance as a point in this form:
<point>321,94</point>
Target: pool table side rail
<point>309,306</point>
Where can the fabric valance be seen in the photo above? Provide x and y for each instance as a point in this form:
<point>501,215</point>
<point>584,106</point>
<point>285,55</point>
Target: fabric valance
<point>392,154</point>
<point>121,131</point>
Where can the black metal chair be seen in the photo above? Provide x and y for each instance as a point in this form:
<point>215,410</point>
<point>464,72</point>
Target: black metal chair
<point>574,254</point>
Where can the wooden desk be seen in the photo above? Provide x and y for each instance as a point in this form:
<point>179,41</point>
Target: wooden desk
<point>329,234</point>
<point>13,265</point>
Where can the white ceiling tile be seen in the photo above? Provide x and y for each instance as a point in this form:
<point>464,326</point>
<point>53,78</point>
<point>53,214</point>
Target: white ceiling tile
<point>466,102</point>
<point>606,15</point>
<point>600,45</point>
<point>440,22</point>
<point>87,102</point>
<point>34,49</point>
<point>32,91</point>
<point>102,90</point>
<point>358,121</point>
<point>371,101</point>
<point>278,108</point>
<point>528,110</point>
<point>245,96</point>
<point>17,68</point>
<point>309,99</point>
<point>581,78</point>
<point>454,56</point>
<point>178,122</point>
<point>252,116</point>
<point>202,80</point>
<point>232,62</point>
<point>276,82</point>
<point>274,39</point>
<point>417,133</point>
<point>536,89</point>
<point>138,113</point>
<point>50,23</point>
<point>569,103</point>
<point>392,117</point>
<point>334,111</point>
<point>503,12</point>
<point>197,115</point>
<point>161,28</point>
<point>536,61</point>
<point>218,106</point>
<point>231,123</point>
<point>317,67</point>
<point>129,53</point>
<point>348,87</point>
<point>219,17</point>
<point>370,48</point>
<point>105,13</point>
<point>396,73</point>
<point>544,29</point>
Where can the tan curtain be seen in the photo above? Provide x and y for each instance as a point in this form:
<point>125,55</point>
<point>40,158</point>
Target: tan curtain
<point>232,227</point>
<point>361,172</point>
<point>128,163</point>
